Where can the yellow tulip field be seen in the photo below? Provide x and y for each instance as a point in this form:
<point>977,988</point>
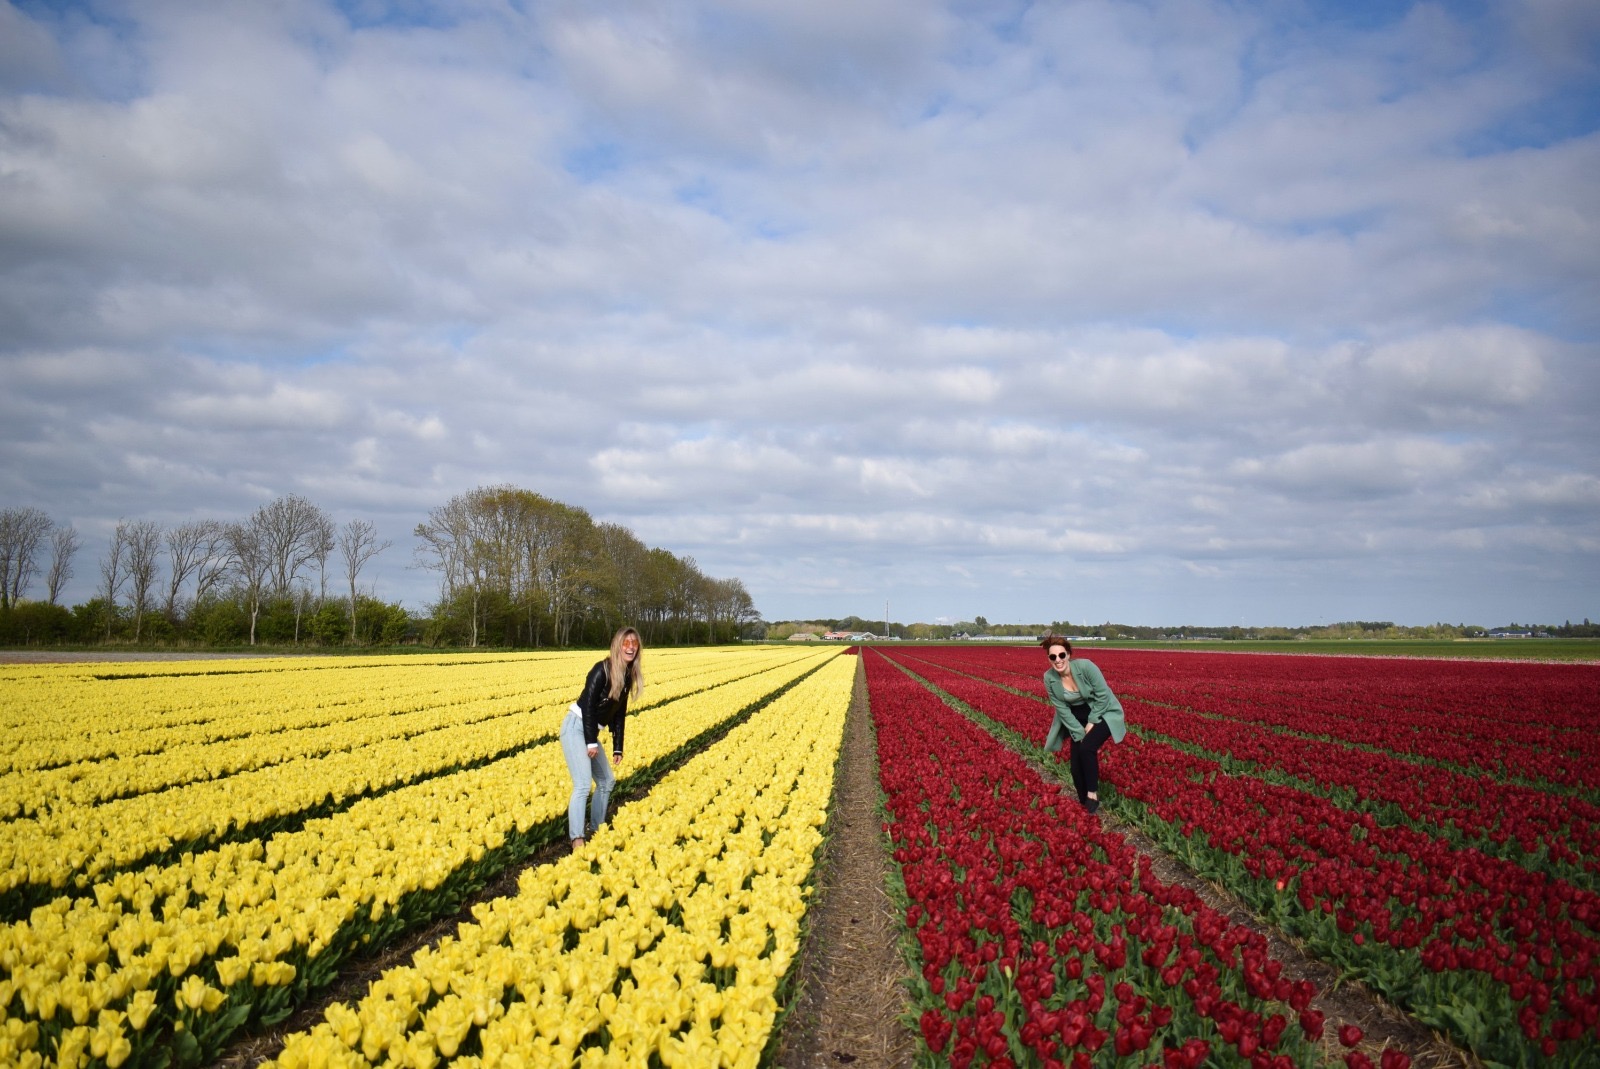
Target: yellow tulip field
<point>193,849</point>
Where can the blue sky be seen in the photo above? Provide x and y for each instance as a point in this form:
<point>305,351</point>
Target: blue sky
<point>1164,312</point>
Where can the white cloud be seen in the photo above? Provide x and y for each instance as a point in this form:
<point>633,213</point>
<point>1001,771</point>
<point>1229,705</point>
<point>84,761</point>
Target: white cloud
<point>1200,308</point>
<point>1463,367</point>
<point>1368,468</point>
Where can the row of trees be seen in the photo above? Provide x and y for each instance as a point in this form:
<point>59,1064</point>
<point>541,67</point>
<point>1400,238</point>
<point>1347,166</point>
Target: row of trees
<point>516,569</point>
<point>23,532</point>
<point>203,580</point>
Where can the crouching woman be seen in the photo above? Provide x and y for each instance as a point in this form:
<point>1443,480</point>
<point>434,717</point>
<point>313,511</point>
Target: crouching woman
<point>603,704</point>
<point>1085,711</point>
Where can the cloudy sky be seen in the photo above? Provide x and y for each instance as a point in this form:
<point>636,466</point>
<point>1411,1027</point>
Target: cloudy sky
<point>1278,312</point>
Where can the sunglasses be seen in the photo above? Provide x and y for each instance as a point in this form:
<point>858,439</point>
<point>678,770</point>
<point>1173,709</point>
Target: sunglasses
<point>1060,656</point>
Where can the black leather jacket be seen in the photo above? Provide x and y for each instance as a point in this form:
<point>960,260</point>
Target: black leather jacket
<point>599,710</point>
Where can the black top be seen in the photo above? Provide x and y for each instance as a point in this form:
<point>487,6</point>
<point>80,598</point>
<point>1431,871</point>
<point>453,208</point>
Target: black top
<point>599,709</point>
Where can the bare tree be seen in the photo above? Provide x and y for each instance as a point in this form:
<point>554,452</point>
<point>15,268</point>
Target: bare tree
<point>727,606</point>
<point>63,547</point>
<point>500,546</point>
<point>144,559</point>
<point>21,531</point>
<point>456,553</point>
<point>113,573</point>
<point>216,561</point>
<point>294,533</point>
<point>324,538</point>
<point>302,605</point>
<point>250,560</point>
<point>190,547</point>
<point>358,544</point>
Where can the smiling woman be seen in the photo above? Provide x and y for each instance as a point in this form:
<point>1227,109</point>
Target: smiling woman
<point>1085,710</point>
<point>604,703</point>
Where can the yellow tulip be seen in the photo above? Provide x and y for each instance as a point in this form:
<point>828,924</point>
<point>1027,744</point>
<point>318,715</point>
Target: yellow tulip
<point>140,1007</point>
<point>72,1050</point>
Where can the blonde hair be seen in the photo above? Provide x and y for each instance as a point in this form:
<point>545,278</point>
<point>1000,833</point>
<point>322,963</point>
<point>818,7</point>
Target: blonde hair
<point>618,667</point>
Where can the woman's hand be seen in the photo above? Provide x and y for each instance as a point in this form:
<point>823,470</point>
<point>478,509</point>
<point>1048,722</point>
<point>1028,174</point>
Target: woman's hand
<point>616,757</point>
<point>594,749</point>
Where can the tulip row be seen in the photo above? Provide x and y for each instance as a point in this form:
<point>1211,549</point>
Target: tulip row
<point>1514,823</point>
<point>65,714</point>
<point>1536,729</point>
<point>151,756</point>
<point>1037,939</point>
<point>1506,959</point>
<point>667,937</point>
<point>69,846</point>
<point>1507,821</point>
<point>65,717</point>
<point>266,923</point>
<point>1501,746</point>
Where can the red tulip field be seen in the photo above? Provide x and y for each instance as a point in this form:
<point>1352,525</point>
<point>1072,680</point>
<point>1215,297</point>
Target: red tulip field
<point>1429,828</point>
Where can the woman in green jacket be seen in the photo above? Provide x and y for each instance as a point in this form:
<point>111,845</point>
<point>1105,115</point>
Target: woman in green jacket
<point>1085,710</point>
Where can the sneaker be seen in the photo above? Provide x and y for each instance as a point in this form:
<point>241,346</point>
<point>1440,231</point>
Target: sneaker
<point>1092,804</point>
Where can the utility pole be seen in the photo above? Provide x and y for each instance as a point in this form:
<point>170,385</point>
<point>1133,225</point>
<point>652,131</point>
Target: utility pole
<point>885,617</point>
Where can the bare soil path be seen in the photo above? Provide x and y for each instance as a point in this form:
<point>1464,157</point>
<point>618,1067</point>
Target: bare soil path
<point>852,977</point>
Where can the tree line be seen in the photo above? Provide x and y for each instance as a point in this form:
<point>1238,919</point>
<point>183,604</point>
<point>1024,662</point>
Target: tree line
<point>264,578</point>
<point>515,568</point>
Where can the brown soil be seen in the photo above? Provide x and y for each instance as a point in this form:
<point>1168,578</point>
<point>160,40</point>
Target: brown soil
<point>852,978</point>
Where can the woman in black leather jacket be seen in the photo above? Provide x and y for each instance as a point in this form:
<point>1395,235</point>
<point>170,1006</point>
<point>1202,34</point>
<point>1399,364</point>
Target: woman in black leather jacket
<point>603,704</point>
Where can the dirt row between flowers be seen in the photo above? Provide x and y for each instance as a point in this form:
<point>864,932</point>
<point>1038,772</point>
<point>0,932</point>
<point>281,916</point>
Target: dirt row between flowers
<point>852,977</point>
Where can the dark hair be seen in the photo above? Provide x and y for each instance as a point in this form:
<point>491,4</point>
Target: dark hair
<point>1055,640</point>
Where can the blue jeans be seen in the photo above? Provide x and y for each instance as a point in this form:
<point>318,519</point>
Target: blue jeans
<point>586,772</point>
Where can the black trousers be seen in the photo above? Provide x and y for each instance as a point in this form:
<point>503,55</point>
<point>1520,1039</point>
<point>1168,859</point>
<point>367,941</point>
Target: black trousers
<point>1084,761</point>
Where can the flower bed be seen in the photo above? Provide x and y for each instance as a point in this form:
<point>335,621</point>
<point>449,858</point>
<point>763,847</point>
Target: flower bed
<point>1038,940</point>
<point>241,789</point>
<point>669,936</point>
<point>170,960</point>
<point>1505,958</point>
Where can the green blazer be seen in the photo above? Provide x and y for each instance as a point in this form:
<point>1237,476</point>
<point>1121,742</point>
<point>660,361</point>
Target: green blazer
<point>1103,705</point>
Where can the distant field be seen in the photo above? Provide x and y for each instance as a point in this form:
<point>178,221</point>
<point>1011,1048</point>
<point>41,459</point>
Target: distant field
<point>1539,649</point>
<point>1536,649</point>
